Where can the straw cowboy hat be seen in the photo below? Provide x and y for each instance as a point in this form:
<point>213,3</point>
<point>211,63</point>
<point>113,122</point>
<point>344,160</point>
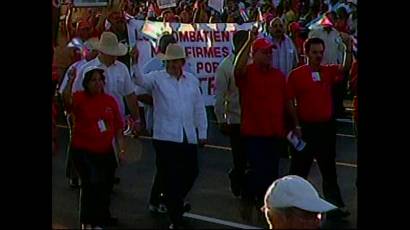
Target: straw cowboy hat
<point>109,44</point>
<point>173,52</point>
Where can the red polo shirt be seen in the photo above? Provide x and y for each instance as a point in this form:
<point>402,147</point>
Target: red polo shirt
<point>87,112</point>
<point>313,96</point>
<point>263,102</point>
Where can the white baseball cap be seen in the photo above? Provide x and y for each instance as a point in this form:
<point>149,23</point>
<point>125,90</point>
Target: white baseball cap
<point>294,191</point>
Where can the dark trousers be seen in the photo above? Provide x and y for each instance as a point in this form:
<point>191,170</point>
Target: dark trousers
<point>179,164</point>
<point>158,186</point>
<point>263,154</point>
<point>320,141</point>
<point>96,172</point>
<point>237,173</point>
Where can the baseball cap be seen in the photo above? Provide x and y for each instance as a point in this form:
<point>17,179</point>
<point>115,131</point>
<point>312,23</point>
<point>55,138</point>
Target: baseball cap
<point>262,43</point>
<point>83,24</point>
<point>294,191</point>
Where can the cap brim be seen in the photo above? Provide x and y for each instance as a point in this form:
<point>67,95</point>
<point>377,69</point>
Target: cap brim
<point>272,46</point>
<point>316,205</point>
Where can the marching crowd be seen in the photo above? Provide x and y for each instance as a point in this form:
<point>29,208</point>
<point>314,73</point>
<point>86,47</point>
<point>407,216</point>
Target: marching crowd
<point>284,82</point>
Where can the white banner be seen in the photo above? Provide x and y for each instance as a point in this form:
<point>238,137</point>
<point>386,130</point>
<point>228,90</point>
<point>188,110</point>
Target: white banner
<point>162,4</point>
<point>218,5</point>
<point>205,44</point>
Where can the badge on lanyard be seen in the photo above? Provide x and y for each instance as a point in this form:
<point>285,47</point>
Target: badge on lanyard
<point>316,76</point>
<point>102,126</point>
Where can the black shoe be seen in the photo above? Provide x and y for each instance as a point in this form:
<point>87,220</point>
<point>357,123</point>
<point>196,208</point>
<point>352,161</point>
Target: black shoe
<point>117,180</point>
<point>160,208</point>
<point>187,207</point>
<point>74,183</point>
<point>111,221</point>
<point>337,214</point>
<point>235,186</point>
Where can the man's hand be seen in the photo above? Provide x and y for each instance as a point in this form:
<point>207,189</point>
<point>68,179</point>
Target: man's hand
<point>134,55</point>
<point>72,74</point>
<point>224,128</point>
<point>202,142</point>
<point>136,128</point>
<point>347,40</point>
<point>122,156</point>
<point>297,131</point>
<point>253,33</point>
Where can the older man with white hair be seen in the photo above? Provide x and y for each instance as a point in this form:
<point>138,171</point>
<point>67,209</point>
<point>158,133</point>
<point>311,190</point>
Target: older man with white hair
<point>291,202</point>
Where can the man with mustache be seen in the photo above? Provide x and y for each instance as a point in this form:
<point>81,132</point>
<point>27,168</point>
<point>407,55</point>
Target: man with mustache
<point>310,88</point>
<point>285,56</point>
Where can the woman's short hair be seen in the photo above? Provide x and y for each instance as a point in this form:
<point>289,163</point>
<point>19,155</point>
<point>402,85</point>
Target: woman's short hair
<point>89,74</point>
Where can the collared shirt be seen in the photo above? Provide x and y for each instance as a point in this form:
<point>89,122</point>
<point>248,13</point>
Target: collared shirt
<point>117,81</point>
<point>313,91</point>
<point>155,64</point>
<point>178,105</point>
<point>227,107</point>
<point>334,46</point>
<point>285,56</point>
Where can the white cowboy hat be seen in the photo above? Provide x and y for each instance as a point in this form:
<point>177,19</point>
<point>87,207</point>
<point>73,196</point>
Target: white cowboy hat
<point>109,44</point>
<point>173,52</point>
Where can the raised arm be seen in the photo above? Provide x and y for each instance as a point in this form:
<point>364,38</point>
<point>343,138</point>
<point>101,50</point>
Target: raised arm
<point>67,93</point>
<point>137,77</point>
<point>241,58</point>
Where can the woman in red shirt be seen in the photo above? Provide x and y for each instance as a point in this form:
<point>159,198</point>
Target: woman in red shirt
<point>96,122</point>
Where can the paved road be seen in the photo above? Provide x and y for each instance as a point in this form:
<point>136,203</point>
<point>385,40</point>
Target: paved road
<point>213,206</point>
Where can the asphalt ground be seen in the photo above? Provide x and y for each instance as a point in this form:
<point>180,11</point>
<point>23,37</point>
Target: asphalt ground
<point>213,205</point>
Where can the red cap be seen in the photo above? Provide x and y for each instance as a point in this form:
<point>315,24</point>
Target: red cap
<point>294,26</point>
<point>83,24</point>
<point>262,43</point>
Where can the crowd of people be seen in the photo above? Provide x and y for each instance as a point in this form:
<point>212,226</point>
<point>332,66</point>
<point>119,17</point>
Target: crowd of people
<point>287,80</point>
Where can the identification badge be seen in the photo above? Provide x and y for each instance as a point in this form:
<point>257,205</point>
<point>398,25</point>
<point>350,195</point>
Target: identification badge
<point>102,126</point>
<point>316,76</point>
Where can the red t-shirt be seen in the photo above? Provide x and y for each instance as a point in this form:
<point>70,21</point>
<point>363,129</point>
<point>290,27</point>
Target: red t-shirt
<point>89,112</point>
<point>313,96</point>
<point>263,102</point>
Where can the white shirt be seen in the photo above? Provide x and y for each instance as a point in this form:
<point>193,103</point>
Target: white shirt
<point>178,106</point>
<point>117,81</point>
<point>334,46</point>
<point>76,65</point>
<point>285,56</point>
<point>227,107</point>
<point>155,64</point>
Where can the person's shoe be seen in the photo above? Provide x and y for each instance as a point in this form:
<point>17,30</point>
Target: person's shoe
<point>175,226</point>
<point>111,221</point>
<point>85,226</point>
<point>97,227</point>
<point>74,183</point>
<point>187,207</point>
<point>161,208</point>
<point>337,214</point>
<point>235,187</point>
